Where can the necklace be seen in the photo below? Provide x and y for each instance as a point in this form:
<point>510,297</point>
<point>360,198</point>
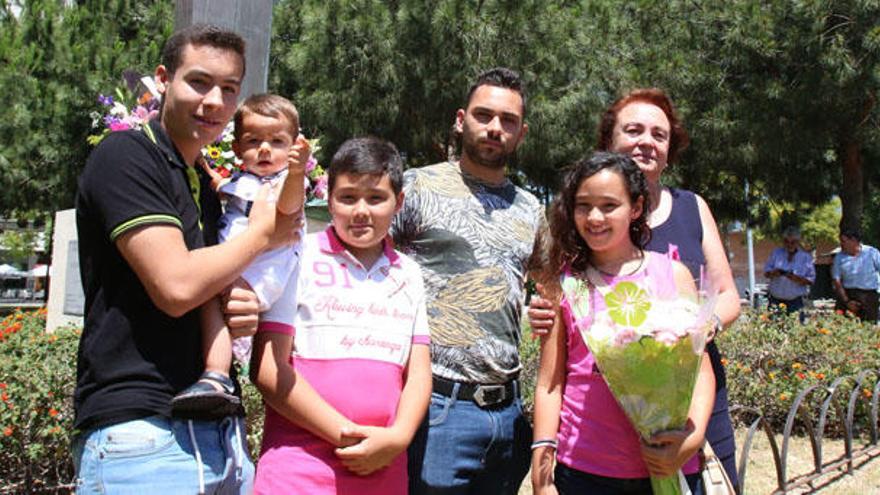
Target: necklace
<point>632,272</point>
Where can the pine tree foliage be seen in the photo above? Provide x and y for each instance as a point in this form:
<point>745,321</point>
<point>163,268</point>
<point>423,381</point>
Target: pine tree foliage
<point>55,58</point>
<point>782,94</point>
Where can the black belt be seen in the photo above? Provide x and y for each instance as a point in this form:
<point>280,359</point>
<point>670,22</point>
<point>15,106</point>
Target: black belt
<point>484,395</point>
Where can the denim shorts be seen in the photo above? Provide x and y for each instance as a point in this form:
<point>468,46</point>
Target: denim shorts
<point>164,455</point>
<point>462,448</point>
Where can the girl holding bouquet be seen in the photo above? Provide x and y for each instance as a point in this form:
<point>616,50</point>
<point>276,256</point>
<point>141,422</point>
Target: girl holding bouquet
<point>578,422</point>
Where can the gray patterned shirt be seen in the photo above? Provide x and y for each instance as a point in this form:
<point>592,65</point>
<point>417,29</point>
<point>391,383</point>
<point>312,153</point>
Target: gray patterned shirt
<point>475,242</point>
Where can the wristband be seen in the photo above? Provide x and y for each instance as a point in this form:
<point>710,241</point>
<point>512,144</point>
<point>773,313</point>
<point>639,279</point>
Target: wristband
<point>544,443</point>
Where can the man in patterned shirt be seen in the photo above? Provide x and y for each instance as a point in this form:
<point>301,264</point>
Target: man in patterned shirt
<point>476,235</point>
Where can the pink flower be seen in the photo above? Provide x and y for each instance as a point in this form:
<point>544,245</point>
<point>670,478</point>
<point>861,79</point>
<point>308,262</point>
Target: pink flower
<point>666,336</point>
<point>143,114</point>
<point>310,165</point>
<point>119,126</point>
<point>321,187</point>
<point>625,336</point>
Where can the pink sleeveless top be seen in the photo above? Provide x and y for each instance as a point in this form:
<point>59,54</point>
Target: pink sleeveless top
<point>595,435</point>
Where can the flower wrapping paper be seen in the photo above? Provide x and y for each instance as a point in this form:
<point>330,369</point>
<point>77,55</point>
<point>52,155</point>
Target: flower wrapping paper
<point>648,349</point>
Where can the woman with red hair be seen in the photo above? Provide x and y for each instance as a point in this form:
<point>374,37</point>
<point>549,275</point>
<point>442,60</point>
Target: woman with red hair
<point>644,124</point>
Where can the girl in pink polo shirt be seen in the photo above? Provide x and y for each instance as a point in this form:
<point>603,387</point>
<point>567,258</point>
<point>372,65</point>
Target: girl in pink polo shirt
<point>342,359</point>
<point>599,221</point>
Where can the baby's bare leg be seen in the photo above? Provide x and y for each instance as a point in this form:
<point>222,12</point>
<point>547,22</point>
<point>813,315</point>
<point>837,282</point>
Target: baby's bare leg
<point>216,340</point>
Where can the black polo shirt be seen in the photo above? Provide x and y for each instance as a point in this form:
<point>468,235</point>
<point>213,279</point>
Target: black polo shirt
<point>132,357</point>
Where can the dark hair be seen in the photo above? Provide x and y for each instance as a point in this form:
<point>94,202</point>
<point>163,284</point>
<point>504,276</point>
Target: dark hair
<point>854,233</point>
<point>567,246</point>
<point>267,105</point>
<point>501,77</point>
<point>200,35</point>
<point>367,156</point>
<point>678,139</point>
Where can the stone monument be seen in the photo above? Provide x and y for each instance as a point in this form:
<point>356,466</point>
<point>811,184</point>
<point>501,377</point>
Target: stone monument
<point>251,19</point>
<point>66,299</point>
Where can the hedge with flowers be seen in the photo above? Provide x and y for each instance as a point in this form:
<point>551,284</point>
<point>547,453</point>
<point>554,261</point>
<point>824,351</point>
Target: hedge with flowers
<point>770,357</point>
<point>37,377</point>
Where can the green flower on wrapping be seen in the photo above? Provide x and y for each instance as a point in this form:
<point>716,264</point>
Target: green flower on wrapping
<point>628,304</point>
<point>647,418</point>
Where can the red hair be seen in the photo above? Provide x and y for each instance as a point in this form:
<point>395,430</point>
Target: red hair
<point>678,139</point>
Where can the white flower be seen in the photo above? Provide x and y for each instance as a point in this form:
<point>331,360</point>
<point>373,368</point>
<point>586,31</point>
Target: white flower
<point>119,110</point>
<point>97,118</point>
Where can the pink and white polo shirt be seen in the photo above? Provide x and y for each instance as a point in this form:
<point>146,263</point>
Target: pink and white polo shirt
<point>353,329</point>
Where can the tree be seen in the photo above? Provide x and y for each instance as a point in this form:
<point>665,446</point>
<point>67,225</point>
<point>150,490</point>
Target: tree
<point>56,58</point>
<point>401,69</point>
<point>800,84</point>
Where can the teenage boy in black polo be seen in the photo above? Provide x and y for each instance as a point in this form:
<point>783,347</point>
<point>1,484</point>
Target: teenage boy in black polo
<point>145,216</point>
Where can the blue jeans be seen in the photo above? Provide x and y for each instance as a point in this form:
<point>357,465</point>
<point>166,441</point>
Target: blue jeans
<point>462,448</point>
<point>164,455</point>
<point>570,481</point>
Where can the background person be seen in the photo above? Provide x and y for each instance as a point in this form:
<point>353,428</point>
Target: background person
<point>854,275</point>
<point>791,273</point>
<point>476,236</point>
<point>644,124</point>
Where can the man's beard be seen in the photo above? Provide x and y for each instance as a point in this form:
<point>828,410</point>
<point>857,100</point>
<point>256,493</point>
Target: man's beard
<point>470,146</point>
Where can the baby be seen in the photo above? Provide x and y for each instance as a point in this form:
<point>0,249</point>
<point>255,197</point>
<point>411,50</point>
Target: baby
<point>268,142</point>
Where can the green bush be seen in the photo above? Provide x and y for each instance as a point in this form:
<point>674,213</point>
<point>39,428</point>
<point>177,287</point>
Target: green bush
<point>37,377</point>
<point>770,357</point>
<point>530,358</point>
<point>253,404</point>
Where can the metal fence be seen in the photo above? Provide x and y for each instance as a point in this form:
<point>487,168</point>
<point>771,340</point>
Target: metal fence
<point>802,411</point>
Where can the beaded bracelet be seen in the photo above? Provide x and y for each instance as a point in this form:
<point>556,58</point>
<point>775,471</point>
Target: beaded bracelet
<point>544,443</point>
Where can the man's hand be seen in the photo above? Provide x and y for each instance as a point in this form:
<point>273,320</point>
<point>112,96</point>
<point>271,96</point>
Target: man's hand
<point>541,313</point>
<point>241,309</point>
<point>853,306</point>
<point>376,448</point>
<point>279,229</point>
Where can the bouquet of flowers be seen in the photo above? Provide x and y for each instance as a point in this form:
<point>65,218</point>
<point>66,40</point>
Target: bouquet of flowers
<point>129,107</point>
<point>219,160</point>
<point>132,105</point>
<point>316,189</point>
<point>649,350</point>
